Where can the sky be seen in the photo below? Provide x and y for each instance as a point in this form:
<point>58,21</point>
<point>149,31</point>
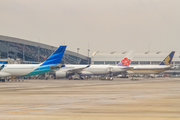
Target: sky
<point>103,25</point>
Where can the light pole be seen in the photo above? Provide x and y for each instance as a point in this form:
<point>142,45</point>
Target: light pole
<point>23,53</point>
<point>88,56</point>
<point>38,54</point>
<point>7,45</point>
<point>64,58</point>
<point>77,54</point>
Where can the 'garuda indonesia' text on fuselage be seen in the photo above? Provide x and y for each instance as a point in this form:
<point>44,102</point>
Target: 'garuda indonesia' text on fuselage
<point>50,64</point>
<point>88,70</point>
<point>151,69</point>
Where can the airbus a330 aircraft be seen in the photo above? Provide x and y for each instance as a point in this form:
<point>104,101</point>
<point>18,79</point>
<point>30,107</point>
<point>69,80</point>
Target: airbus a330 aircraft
<point>151,69</point>
<point>84,70</point>
<point>52,63</point>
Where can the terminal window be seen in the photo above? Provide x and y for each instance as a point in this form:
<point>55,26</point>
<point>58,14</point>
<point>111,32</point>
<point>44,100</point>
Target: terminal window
<point>155,62</point>
<point>144,62</point>
<point>110,62</point>
<point>134,62</point>
<point>98,62</point>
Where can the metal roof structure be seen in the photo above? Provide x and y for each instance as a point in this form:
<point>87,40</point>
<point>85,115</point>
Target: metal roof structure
<point>41,45</point>
<point>138,56</point>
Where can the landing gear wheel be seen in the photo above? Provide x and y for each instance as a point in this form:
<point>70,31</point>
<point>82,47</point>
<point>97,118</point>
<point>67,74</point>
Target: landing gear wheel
<point>111,78</point>
<point>81,78</point>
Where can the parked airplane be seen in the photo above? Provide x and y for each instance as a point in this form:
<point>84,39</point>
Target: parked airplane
<point>52,63</point>
<point>84,70</point>
<point>151,69</point>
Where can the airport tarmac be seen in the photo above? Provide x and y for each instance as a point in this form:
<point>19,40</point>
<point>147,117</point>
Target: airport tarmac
<point>145,99</point>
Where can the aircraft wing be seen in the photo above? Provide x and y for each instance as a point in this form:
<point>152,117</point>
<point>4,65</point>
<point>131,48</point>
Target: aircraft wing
<point>171,67</point>
<point>78,70</point>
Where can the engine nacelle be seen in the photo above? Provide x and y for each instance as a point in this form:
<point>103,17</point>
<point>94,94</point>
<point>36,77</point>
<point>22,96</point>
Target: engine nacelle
<point>63,74</point>
<point>4,74</point>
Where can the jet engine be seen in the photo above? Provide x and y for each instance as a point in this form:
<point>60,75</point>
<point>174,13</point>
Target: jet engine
<point>4,74</point>
<point>63,74</point>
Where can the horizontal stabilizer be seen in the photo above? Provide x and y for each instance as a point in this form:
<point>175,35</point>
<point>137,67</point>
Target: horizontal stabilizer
<point>55,66</point>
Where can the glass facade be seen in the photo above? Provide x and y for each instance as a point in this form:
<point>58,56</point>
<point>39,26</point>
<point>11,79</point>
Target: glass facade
<point>155,62</point>
<point>177,62</point>
<point>98,62</point>
<point>134,62</point>
<point>110,62</point>
<point>24,52</point>
<point>144,62</point>
<point>33,54</point>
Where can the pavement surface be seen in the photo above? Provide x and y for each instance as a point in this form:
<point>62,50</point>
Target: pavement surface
<point>143,99</point>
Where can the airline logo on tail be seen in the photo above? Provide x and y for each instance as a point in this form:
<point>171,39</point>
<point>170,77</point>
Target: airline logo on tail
<point>127,59</point>
<point>168,59</point>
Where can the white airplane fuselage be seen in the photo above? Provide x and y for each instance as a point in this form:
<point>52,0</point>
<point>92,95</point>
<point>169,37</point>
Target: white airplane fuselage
<point>102,70</point>
<point>148,69</point>
<point>17,69</point>
<point>92,70</point>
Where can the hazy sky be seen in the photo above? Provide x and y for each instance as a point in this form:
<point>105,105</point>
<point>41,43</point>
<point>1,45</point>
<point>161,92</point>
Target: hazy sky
<point>107,25</point>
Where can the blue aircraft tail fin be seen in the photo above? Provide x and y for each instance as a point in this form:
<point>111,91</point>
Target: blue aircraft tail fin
<point>168,59</point>
<point>56,57</point>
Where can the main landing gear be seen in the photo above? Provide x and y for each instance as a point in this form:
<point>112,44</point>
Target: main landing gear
<point>106,78</point>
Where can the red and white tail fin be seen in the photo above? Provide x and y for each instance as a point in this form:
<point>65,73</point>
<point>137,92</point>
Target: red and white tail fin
<point>127,59</point>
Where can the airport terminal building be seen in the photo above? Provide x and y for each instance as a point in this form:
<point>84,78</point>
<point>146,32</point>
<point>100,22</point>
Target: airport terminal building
<point>15,50</point>
<point>140,58</point>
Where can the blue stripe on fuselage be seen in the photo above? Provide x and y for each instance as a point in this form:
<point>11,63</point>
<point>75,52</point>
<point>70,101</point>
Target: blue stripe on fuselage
<point>40,70</point>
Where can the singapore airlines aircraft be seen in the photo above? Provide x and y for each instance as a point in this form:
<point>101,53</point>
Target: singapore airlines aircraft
<point>84,70</point>
<point>151,69</point>
<point>52,63</point>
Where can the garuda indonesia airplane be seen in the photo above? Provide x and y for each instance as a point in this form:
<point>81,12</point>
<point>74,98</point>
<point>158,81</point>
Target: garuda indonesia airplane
<point>52,63</point>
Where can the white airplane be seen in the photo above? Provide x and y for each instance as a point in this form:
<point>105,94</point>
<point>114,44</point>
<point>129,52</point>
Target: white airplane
<point>84,70</point>
<point>151,69</point>
<point>14,70</point>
